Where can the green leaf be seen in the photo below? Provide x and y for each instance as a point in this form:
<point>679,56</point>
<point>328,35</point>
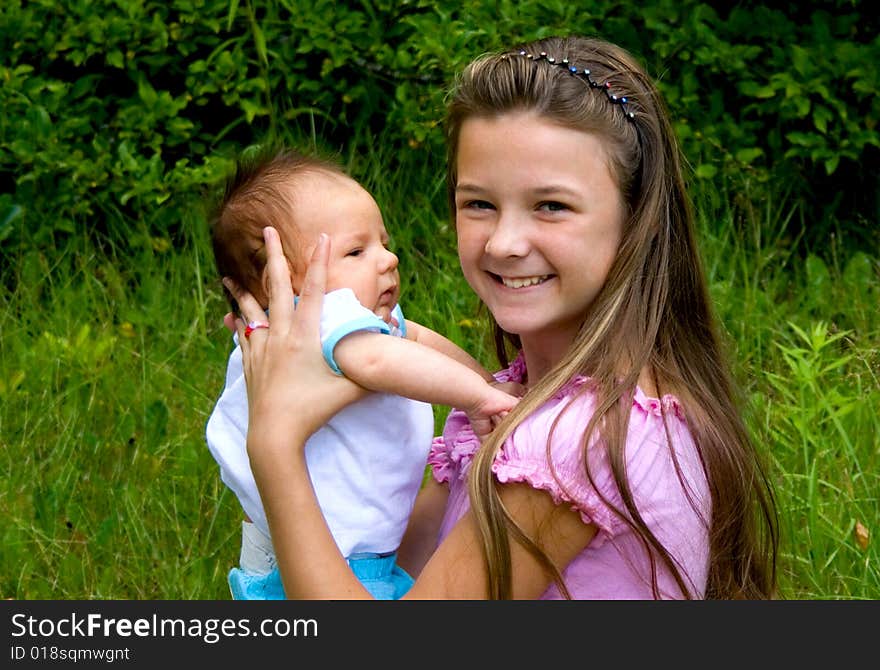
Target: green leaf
<point>818,281</point>
<point>251,109</point>
<point>821,116</point>
<point>831,164</point>
<point>125,156</point>
<point>116,59</point>
<point>801,139</point>
<point>705,171</point>
<point>749,88</point>
<point>65,225</point>
<point>233,8</point>
<point>260,42</point>
<point>803,105</point>
<point>800,58</point>
<point>146,92</point>
<point>40,119</point>
<point>748,155</point>
<point>84,86</point>
<point>860,276</point>
<point>860,270</point>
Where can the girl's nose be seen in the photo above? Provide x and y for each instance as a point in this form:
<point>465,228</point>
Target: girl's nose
<point>508,238</point>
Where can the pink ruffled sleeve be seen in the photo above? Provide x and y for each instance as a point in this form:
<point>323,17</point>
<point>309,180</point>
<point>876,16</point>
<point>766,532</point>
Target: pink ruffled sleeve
<point>438,459</point>
<point>451,453</point>
<point>525,458</point>
<point>652,473</point>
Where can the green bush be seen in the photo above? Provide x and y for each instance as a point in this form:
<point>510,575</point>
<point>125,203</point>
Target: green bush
<point>118,113</point>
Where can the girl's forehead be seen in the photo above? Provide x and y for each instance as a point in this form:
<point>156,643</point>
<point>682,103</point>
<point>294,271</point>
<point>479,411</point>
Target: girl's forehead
<point>528,150</point>
<point>523,130</point>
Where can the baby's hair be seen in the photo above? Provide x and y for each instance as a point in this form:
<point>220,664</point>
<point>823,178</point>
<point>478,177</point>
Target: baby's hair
<point>653,312</point>
<point>259,193</point>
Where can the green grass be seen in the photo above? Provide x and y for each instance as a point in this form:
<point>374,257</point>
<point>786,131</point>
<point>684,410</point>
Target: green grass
<point>804,336</point>
<point>110,365</point>
<point>109,368</point>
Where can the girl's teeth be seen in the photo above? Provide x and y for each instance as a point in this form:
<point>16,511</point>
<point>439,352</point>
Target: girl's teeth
<point>523,281</point>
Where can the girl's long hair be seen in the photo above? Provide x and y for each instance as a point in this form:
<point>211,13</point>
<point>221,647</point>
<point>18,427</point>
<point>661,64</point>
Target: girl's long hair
<point>652,313</point>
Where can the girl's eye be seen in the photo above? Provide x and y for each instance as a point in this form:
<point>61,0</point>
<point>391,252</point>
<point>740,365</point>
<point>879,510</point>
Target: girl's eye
<point>552,206</point>
<point>354,252</point>
<point>478,204</point>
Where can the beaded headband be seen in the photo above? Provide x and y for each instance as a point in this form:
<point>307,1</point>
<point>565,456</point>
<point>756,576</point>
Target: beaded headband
<point>583,74</point>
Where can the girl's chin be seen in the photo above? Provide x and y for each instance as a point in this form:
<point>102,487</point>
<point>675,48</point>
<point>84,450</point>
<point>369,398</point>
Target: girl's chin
<point>512,324</point>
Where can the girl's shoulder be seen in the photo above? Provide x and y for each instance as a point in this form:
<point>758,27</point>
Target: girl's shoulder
<point>559,426</point>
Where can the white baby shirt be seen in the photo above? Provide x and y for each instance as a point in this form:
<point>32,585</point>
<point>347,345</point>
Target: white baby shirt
<point>366,463</point>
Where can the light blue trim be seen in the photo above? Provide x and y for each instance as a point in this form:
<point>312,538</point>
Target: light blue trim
<point>363,323</point>
<point>380,575</point>
<point>397,313</point>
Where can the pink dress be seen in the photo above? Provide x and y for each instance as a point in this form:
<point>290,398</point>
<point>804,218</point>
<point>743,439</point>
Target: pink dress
<point>614,565</point>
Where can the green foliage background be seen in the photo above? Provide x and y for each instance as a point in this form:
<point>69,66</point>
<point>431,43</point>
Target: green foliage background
<point>120,117</point>
<point>122,109</point>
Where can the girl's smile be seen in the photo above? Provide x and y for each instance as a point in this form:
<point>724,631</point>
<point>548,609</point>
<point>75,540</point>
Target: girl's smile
<point>523,282</point>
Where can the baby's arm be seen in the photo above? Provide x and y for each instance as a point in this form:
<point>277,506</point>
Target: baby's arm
<point>404,367</point>
<point>419,333</point>
<point>428,337</point>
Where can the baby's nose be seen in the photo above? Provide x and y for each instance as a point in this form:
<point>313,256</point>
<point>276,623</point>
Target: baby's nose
<point>389,261</point>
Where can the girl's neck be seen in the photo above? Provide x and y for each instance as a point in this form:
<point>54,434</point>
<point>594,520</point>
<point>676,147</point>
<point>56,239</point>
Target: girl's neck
<point>539,359</point>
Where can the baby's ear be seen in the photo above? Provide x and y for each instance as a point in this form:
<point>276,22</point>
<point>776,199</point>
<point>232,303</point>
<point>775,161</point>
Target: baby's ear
<point>264,283</point>
<point>263,296</point>
<point>295,278</point>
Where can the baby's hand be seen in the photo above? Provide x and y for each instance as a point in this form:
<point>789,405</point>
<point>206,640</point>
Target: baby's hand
<point>513,388</point>
<point>489,411</point>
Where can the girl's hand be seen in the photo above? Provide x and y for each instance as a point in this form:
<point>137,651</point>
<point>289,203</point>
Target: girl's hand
<point>291,390</point>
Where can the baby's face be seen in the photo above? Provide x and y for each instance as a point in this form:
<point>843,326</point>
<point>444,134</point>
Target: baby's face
<point>359,257</point>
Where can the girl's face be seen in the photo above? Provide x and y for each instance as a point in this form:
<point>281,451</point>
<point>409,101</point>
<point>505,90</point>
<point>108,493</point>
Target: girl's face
<point>359,254</point>
<point>539,220</point>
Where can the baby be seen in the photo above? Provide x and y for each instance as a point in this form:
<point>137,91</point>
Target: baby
<point>367,463</point>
